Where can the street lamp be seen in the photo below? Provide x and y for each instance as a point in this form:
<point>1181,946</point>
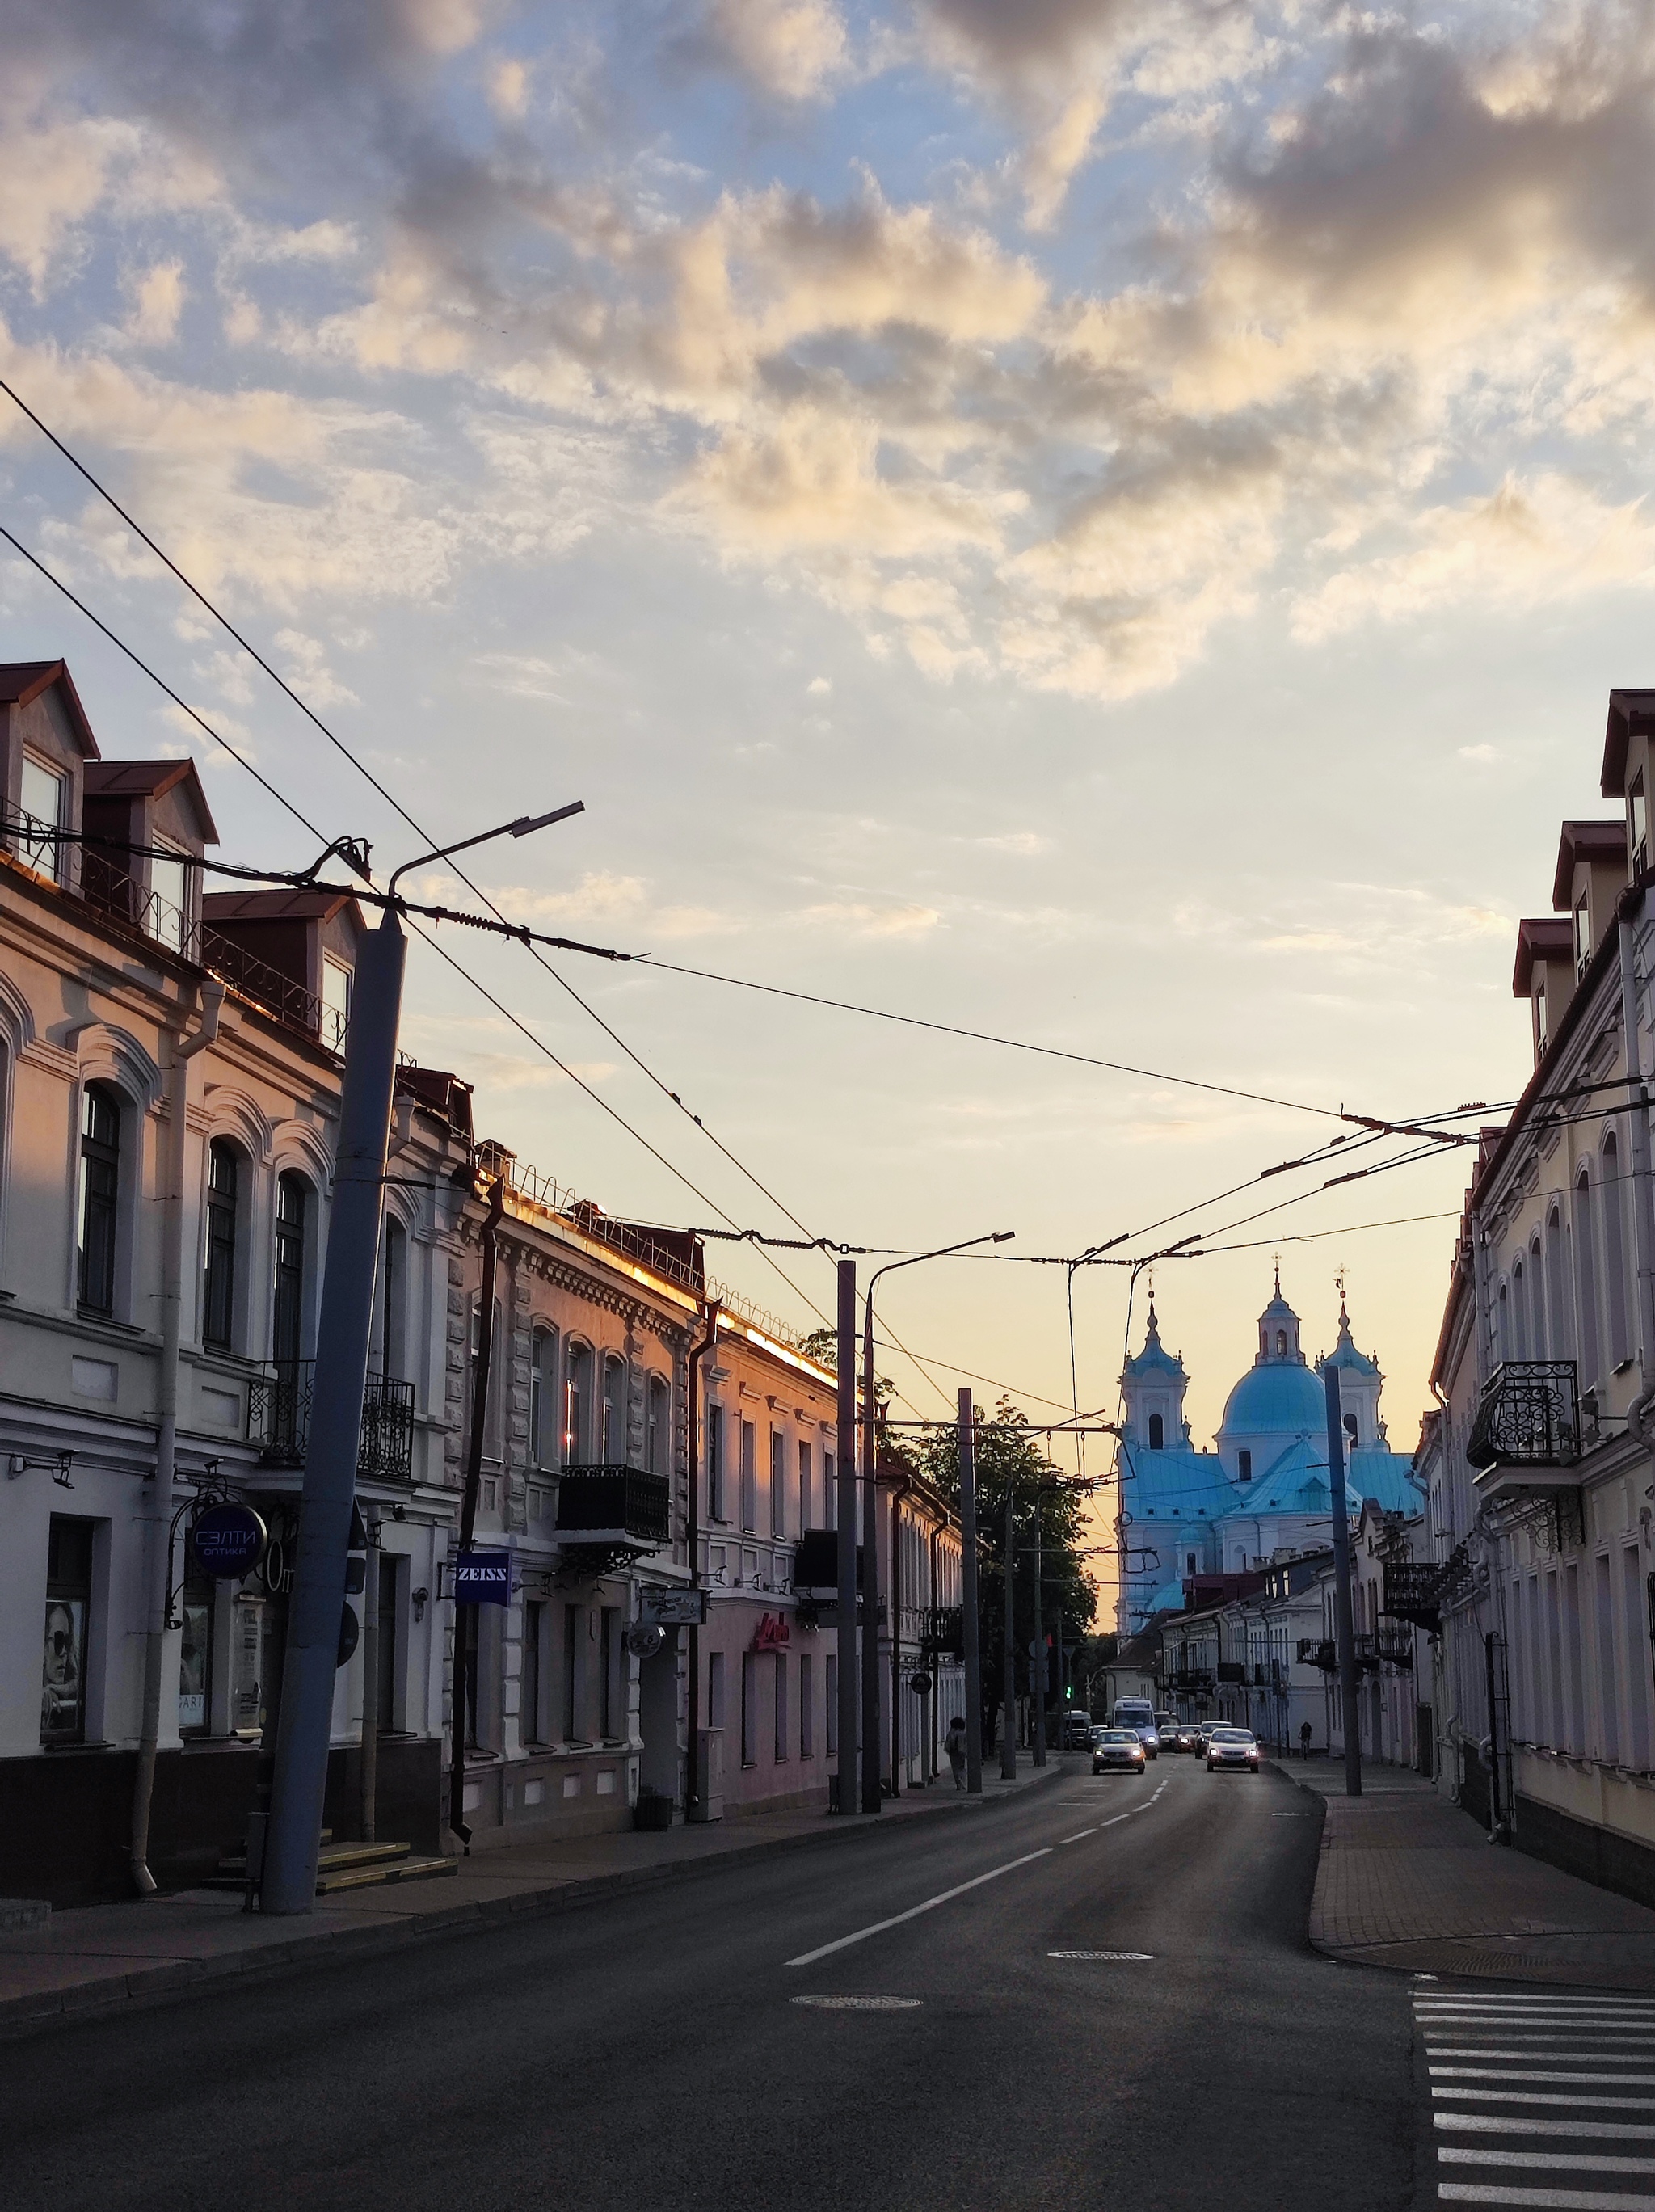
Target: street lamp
<point>872,1793</point>
<point>283,1858</point>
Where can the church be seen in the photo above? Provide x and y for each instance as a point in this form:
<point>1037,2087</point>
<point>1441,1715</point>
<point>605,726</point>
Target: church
<point>1262,1489</point>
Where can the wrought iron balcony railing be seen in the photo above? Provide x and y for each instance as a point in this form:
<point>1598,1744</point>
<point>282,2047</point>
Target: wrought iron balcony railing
<point>1418,1590</point>
<point>614,1505</point>
<point>1529,1416</point>
<point>278,1421</point>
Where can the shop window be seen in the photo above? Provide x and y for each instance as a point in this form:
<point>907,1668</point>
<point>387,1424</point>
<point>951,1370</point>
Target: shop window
<point>196,1658</point>
<point>830,1704</point>
<point>534,1630</point>
<point>574,1619</point>
<point>611,1703</point>
<point>100,1173</point>
<point>218,1307</point>
<point>781,1707</point>
<point>69,1602</point>
<point>292,1231</point>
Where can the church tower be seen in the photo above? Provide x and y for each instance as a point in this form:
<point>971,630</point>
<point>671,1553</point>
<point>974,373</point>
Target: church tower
<point>1153,1386</point>
<point>1360,1384</point>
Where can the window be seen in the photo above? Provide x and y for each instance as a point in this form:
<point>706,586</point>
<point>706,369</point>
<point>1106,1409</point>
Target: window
<point>42,798</point>
<point>657,1424</point>
<point>1536,1298</point>
<point>169,904</point>
<point>806,1499</point>
<point>1189,1563</point>
<point>781,1708</point>
<point>573,1616</point>
<point>715,1456</point>
<point>218,1306</point>
<point>1351,1438</point>
<point>543,1398</point>
<point>715,1689</point>
<point>101,1168</point>
<point>807,1716</point>
<point>829,1491</point>
<point>1615,1256</point>
<point>1281,1344</point>
<point>1638,823</point>
<point>1244,1467</point>
<point>749,1704</point>
<point>470,1621</point>
<point>1519,1314</point>
<point>384,1704</point>
<point>1585,1278</point>
<point>1542,1026</point>
<point>336,1002</point>
<point>393,1301</point>
<point>196,1657</point>
<point>614,1453</point>
<point>292,1223</point>
<point>1582,937</point>
<point>1560,1335</point>
<point>830,1705</point>
<point>577,1403</point>
<point>749,1478</point>
<point>778,1483</point>
<point>1157,1431</point>
<point>69,1599</point>
<point>611,1703</point>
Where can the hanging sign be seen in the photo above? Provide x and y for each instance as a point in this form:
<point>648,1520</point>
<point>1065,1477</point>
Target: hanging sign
<point>228,1541</point>
<point>920,1684</point>
<point>672,1608</point>
<point>483,1578</point>
<point>770,1634</point>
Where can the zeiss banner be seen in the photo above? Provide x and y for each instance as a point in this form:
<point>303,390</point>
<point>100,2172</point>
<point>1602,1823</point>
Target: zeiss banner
<point>483,1578</point>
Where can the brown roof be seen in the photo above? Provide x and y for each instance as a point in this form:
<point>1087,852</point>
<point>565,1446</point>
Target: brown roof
<point>1585,840</point>
<point>150,779</point>
<point>21,683</point>
<point>276,905</point>
<point>1630,714</point>
<point>1540,938</point>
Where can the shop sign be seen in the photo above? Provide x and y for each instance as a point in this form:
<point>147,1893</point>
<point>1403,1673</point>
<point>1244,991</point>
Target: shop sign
<point>772,1633</point>
<point>483,1578</point>
<point>672,1608</point>
<point>920,1684</point>
<point>228,1541</point>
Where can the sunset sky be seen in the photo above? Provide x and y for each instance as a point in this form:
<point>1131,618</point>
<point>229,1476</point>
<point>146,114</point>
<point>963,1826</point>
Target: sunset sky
<point>1108,524</point>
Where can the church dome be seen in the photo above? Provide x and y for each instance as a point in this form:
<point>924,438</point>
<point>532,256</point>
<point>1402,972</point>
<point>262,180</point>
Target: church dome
<point>1277,1399</point>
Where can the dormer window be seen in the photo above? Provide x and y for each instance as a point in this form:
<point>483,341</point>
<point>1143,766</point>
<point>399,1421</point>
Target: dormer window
<point>169,903</point>
<point>1582,936</point>
<point>1542,1028</point>
<point>42,801</point>
<point>335,1003</point>
<point>1638,825</point>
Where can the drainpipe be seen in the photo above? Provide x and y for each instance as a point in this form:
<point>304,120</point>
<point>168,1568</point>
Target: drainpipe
<point>184,1049</point>
<point>1641,1418</point>
<point>899,1491</point>
<point>693,1777</point>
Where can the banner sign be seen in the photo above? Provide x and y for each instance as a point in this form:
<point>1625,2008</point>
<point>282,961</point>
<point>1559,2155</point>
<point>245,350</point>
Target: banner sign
<point>483,1578</point>
<point>228,1541</point>
<point>672,1608</point>
<point>772,1633</point>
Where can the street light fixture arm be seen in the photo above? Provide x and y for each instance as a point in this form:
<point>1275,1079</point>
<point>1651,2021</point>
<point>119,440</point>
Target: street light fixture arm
<point>524,825</point>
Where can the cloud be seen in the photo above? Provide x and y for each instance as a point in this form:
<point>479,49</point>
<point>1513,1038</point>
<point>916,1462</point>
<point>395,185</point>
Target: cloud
<point>794,50</point>
<point>158,298</point>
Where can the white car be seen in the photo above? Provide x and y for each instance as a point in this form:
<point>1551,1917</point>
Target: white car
<point>1233,1747</point>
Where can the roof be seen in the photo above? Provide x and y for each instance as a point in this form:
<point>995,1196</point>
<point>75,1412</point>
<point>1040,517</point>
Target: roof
<point>1540,938</point>
<point>1631,713</point>
<point>150,778</point>
<point>1345,1355</point>
<point>1187,1485</point>
<point>281,905</point>
<point>1585,841</point>
<point>21,683</point>
<point>1154,1359</point>
<point>1276,1398</point>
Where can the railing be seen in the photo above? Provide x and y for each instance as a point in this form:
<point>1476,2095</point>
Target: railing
<point>1418,1590</point>
<point>1192,1678</point>
<point>1529,1416</point>
<point>614,1502</point>
<point>279,1412</point>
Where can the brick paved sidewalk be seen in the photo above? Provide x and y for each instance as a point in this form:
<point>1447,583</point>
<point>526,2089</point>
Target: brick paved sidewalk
<point>1407,1880</point>
<point>104,1956</point>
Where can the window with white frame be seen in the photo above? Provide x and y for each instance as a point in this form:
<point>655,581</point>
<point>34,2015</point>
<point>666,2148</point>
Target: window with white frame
<point>42,797</point>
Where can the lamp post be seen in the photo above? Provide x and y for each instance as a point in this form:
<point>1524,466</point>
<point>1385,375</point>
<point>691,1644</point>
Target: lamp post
<point>872,1792</point>
<point>287,1862</point>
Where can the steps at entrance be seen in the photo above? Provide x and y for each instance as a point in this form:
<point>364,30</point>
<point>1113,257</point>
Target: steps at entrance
<point>348,1866</point>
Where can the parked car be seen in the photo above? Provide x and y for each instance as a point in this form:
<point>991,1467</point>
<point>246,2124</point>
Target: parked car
<point>1233,1747</point>
<point>1118,1748</point>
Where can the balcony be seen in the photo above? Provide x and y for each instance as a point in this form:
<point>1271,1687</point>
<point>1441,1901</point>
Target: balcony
<point>278,1421</point>
<point>815,1566</point>
<point>1415,1590</point>
<point>1525,1437</point>
<point>1325,1655</point>
<point>1197,1680</point>
<point>618,1509</point>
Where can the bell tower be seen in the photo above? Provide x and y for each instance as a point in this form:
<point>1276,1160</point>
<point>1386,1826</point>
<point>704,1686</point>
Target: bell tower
<point>1153,1385</point>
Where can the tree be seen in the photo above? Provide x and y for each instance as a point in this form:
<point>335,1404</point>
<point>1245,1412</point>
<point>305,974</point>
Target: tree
<point>1008,1457</point>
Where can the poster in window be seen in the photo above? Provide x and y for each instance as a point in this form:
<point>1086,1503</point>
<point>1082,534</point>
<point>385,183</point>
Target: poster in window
<point>193,1656</point>
<point>62,1692</point>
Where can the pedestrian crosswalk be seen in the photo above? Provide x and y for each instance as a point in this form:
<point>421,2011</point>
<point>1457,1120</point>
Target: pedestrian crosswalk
<point>1543,2099</point>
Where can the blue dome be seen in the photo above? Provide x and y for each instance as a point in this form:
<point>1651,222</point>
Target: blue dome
<point>1278,1398</point>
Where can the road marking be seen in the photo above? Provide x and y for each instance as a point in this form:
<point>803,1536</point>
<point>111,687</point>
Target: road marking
<point>1544,2097</point>
<point>844,1943</point>
<point>1547,2049</point>
<point>861,2004</point>
<point>1510,2074</point>
<point>1487,2123</point>
<point>1576,2161</point>
<point>1078,1839</point>
<point>1559,2200</point>
<point>1612,2007</point>
<point>1100,1954</point>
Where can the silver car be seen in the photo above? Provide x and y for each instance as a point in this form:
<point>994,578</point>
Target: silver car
<point>1117,1747</point>
<point>1236,1748</point>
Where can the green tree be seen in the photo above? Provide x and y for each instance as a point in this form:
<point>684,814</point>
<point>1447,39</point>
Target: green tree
<point>1010,1458</point>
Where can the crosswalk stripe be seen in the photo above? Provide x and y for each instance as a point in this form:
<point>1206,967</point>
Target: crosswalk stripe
<point>1557,2200</point>
<point>1446,2007</point>
<point>1500,2124</point>
<point>1544,2097</point>
<point>1538,2050</point>
<point>1571,2161</point>
<point>1526,2074</point>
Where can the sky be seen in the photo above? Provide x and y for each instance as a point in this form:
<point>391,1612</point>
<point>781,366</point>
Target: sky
<point>1108,524</point>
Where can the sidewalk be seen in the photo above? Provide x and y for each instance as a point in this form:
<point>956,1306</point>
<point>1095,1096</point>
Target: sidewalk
<point>1406,1879</point>
<point>105,1956</point>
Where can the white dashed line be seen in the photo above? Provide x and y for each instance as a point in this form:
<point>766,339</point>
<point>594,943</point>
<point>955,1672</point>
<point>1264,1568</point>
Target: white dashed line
<point>1077,1839</point>
<point>825,1950</point>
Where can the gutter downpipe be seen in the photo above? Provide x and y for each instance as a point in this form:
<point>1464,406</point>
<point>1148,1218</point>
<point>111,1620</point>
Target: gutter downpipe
<point>898,1490</point>
<point>693,1777</point>
<point>184,1049</point>
<point>1643,1200</point>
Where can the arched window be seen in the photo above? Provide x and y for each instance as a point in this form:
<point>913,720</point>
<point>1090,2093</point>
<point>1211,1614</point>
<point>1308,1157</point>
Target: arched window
<point>658,1433</point>
<point>1350,1431</point>
<point>292,1236</point>
<point>1615,1255</point>
<point>393,1302</point>
<point>1281,1344</point>
<point>1244,1465</point>
<point>543,1398</point>
<point>1519,1346</point>
<point>1538,1340</point>
<point>100,1179</point>
<point>1157,1431</point>
<point>1585,1278</point>
<point>615,1412</point>
<point>223,1190</point>
<point>577,1404</point>
<point>1559,1333</point>
<point>1502,1325</point>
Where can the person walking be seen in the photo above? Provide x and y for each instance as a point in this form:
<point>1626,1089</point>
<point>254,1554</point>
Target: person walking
<point>955,1744</point>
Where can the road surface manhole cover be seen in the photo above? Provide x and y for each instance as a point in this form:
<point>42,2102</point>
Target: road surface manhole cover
<point>1100,1954</point>
<point>861,2004</point>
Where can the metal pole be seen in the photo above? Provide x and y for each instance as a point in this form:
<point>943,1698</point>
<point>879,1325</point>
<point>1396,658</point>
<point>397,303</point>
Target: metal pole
<point>1342,1628</point>
<point>460,1700</point>
<point>693,1780</point>
<point>872,1764</point>
<point>288,1881</point>
<point>1038,1682</point>
<point>1008,1693</point>
<point>970,1624</point>
<point>368,1778</point>
<point>845,1473</point>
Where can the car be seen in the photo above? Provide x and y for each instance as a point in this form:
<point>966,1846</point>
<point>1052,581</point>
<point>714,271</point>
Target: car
<point>1149,1737</point>
<point>1187,1737</point>
<point>1165,1737</point>
<point>1117,1748</point>
<point>1076,1731</point>
<point>1233,1747</point>
<point>1202,1734</point>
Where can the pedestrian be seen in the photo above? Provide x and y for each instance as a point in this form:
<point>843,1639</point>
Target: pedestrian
<point>1304,1739</point>
<point>955,1744</point>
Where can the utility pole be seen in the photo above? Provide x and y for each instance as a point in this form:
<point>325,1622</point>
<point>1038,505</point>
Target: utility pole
<point>368,1771</point>
<point>970,1625</point>
<point>1038,1680</point>
<point>844,1476</point>
<point>1342,1628</point>
<point>461,1698</point>
<point>1009,1732</point>
<point>873,1794</point>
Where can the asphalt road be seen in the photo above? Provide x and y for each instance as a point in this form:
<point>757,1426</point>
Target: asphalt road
<point>653,2051</point>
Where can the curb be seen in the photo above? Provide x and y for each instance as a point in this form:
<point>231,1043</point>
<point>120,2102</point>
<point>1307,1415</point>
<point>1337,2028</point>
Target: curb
<point>163,1983</point>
